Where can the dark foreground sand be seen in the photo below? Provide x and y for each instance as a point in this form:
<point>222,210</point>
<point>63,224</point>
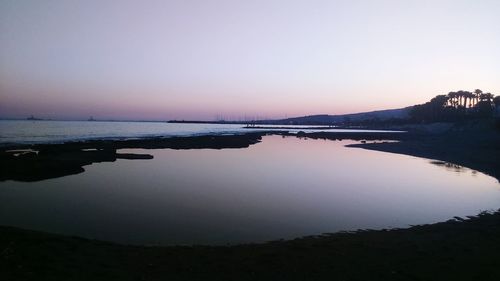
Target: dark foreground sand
<point>453,250</point>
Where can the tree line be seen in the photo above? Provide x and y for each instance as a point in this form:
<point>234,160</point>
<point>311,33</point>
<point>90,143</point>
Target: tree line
<point>456,106</point>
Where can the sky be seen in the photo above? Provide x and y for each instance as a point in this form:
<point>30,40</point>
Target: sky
<point>162,60</point>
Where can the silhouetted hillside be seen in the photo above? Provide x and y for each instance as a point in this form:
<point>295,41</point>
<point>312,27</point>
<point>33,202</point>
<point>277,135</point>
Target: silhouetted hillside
<point>324,119</point>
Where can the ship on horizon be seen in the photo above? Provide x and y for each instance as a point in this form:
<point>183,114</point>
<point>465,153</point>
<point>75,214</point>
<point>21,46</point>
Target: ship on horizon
<point>33,118</point>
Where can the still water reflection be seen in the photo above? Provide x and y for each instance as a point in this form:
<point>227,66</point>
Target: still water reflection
<point>280,188</point>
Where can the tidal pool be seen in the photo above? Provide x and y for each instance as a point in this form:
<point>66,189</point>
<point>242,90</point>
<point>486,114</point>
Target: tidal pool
<point>281,188</point>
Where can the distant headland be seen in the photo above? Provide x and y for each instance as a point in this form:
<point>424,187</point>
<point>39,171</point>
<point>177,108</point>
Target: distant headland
<point>456,106</point>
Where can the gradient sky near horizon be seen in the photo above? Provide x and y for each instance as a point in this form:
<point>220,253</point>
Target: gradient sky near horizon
<point>161,60</point>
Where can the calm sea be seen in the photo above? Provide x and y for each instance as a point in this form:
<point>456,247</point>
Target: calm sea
<point>25,131</point>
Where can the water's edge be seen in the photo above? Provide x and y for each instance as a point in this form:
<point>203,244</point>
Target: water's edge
<point>468,246</point>
<point>34,162</point>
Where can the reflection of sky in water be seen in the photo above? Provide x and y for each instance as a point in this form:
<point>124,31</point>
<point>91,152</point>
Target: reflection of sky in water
<point>280,188</point>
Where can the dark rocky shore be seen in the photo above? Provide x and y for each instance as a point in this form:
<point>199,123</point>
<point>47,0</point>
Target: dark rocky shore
<point>44,161</point>
<point>453,250</point>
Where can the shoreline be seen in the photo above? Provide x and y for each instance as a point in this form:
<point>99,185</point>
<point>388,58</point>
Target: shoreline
<point>45,161</point>
<point>458,249</point>
<point>476,149</point>
<point>479,151</point>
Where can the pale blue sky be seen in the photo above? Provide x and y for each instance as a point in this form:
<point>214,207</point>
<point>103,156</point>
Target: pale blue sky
<point>199,59</point>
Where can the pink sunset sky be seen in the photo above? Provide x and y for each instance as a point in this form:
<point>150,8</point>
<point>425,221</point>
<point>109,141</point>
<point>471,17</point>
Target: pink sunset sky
<point>161,60</point>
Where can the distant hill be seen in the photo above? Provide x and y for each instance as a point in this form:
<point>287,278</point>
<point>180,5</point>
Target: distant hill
<point>321,119</point>
<point>400,113</point>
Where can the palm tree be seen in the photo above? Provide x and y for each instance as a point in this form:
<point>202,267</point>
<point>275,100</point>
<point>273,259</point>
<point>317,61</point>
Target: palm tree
<point>461,98</point>
<point>457,97</point>
<point>452,96</point>
<point>477,93</point>
<point>468,96</point>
